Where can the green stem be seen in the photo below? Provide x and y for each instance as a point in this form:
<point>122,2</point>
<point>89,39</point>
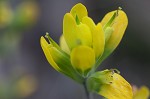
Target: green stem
<point>86,90</point>
<point>88,94</point>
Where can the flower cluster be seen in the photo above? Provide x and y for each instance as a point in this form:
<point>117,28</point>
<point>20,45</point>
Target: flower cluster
<point>84,45</point>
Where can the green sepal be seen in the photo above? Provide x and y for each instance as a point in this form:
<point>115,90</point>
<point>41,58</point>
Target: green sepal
<point>99,78</point>
<point>111,20</point>
<point>51,41</point>
<point>63,61</point>
<point>83,74</point>
<point>108,24</point>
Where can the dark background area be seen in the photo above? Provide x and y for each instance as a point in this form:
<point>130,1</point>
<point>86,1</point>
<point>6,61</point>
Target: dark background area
<point>132,56</point>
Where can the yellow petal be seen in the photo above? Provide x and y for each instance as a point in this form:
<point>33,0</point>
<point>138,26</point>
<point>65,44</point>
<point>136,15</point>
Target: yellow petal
<point>89,22</point>
<point>97,35</point>
<point>108,32</point>
<point>64,45</point>
<point>119,89</point>
<point>47,53</point>
<point>98,40</point>
<point>76,34</point>
<point>142,93</point>
<point>82,58</point>
<point>119,25</point>
<point>79,10</point>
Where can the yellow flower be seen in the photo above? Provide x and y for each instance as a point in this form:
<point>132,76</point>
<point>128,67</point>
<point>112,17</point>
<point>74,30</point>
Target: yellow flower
<point>84,44</point>
<point>114,25</point>
<point>142,93</point>
<point>110,85</point>
<point>6,14</point>
<point>58,59</point>
<point>79,29</point>
<point>84,39</point>
<point>103,38</point>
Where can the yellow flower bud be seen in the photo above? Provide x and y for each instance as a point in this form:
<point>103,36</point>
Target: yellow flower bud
<point>110,85</point>
<point>76,34</point>
<point>47,53</point>
<point>116,22</point>
<point>58,59</point>
<point>119,89</point>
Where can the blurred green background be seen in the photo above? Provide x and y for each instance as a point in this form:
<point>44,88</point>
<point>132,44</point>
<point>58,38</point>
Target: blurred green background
<point>24,70</point>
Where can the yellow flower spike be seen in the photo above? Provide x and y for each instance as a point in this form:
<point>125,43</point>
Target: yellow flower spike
<point>79,10</point>
<point>110,85</point>
<point>97,36</point>
<point>84,45</point>
<point>47,53</point>
<point>63,45</point>
<point>76,34</point>
<point>142,93</point>
<point>119,25</point>
<point>83,58</point>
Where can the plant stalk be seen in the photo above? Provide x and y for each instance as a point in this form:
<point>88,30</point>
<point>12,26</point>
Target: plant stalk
<point>88,94</point>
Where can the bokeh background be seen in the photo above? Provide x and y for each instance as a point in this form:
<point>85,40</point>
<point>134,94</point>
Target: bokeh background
<point>24,71</point>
